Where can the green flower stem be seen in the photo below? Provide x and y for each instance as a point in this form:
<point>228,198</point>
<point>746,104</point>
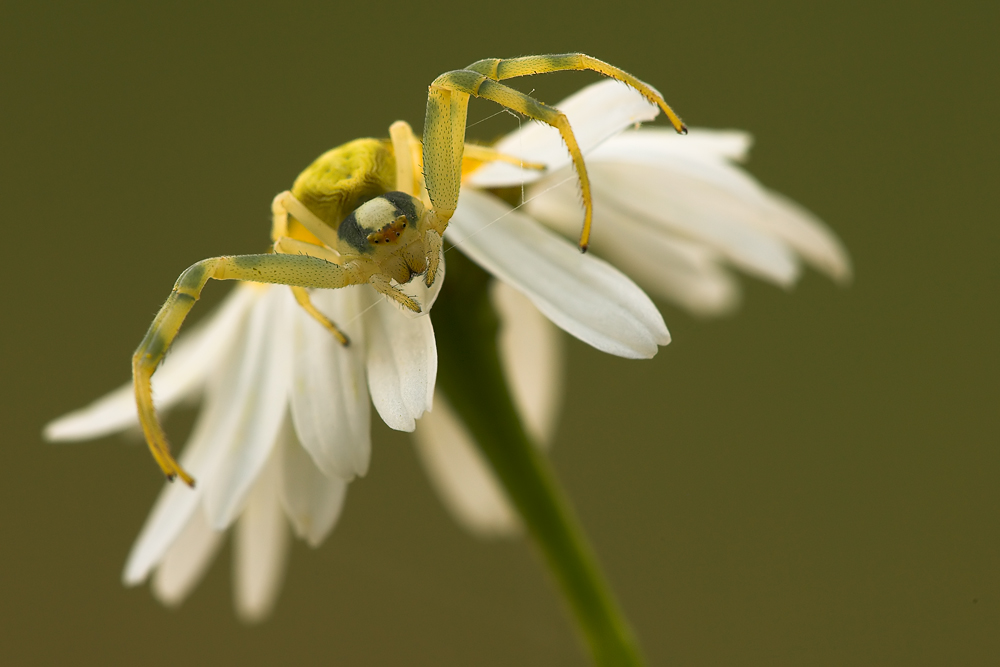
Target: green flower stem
<point>469,373</point>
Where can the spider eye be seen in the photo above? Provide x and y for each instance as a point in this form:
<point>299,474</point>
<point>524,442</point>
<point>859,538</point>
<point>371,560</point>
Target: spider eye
<point>389,232</point>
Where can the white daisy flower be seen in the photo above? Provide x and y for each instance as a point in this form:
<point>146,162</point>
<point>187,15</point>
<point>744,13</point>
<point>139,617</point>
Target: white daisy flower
<point>284,424</point>
<point>284,420</point>
<point>673,212</point>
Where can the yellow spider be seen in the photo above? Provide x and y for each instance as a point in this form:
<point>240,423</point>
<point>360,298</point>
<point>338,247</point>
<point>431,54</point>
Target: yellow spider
<point>373,211</point>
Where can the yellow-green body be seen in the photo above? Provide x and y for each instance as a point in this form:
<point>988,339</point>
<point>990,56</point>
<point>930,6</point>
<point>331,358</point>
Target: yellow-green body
<point>343,178</point>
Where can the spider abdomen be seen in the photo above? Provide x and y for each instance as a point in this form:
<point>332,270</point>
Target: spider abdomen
<point>344,178</point>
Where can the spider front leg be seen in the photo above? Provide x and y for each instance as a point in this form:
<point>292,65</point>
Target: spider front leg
<point>295,270</point>
<point>500,69</point>
<point>407,149</point>
<point>409,162</point>
<point>447,105</point>
<point>444,137</point>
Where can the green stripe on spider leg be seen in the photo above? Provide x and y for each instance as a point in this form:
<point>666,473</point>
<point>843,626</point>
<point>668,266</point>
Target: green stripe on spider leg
<point>164,328</point>
<point>172,313</point>
<point>295,270</point>
<point>462,80</point>
<point>486,66</point>
<point>510,68</point>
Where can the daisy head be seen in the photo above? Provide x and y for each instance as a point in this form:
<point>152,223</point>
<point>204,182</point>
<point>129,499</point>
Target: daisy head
<point>284,426</point>
<point>285,407</point>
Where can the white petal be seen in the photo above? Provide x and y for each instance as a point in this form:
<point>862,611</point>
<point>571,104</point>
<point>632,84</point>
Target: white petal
<point>182,373</point>
<point>311,500</point>
<point>703,155</point>
<point>595,113</point>
<point>263,386</point>
<point>680,270</point>
<point>329,394</point>
<point>532,358</point>
<point>461,476</point>
<point>402,364</point>
<point>723,188</point>
<point>170,515</point>
<point>201,457</point>
<point>187,561</point>
<point>649,145</point>
<point>808,235</point>
<point>260,547</point>
<point>580,293</point>
<point>695,208</point>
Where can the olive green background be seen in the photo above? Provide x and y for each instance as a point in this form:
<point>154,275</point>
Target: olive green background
<point>811,482</point>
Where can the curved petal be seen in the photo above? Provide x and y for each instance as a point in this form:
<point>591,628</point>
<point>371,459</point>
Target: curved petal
<point>532,358</point>
<point>697,209</point>
<point>596,113</point>
<point>683,271</point>
<point>329,394</point>
<point>261,399</point>
<point>182,373</point>
<point>679,271</point>
<point>170,515</point>
<point>649,145</point>
<point>312,500</point>
<point>402,364</point>
<point>809,236</point>
<point>187,561</point>
<point>581,294</point>
<point>462,478</point>
<point>260,547</point>
<point>701,165</point>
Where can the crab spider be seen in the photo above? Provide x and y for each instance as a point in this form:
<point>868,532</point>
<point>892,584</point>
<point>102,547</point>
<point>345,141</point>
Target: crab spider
<point>373,211</point>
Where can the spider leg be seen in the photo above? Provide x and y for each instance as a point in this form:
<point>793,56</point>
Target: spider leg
<point>285,245</point>
<point>475,155</point>
<point>444,137</point>
<point>443,144</point>
<point>407,149</point>
<point>302,298</point>
<point>291,246</point>
<point>384,285</point>
<point>432,247</point>
<point>286,203</point>
<point>295,270</point>
<point>499,69</point>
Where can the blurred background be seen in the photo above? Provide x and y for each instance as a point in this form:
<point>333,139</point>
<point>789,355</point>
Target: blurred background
<point>812,481</point>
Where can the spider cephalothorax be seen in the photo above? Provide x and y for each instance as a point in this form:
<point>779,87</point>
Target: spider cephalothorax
<point>389,229</point>
<point>374,211</point>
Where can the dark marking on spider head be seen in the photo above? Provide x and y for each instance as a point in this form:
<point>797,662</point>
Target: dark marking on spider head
<point>380,221</point>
